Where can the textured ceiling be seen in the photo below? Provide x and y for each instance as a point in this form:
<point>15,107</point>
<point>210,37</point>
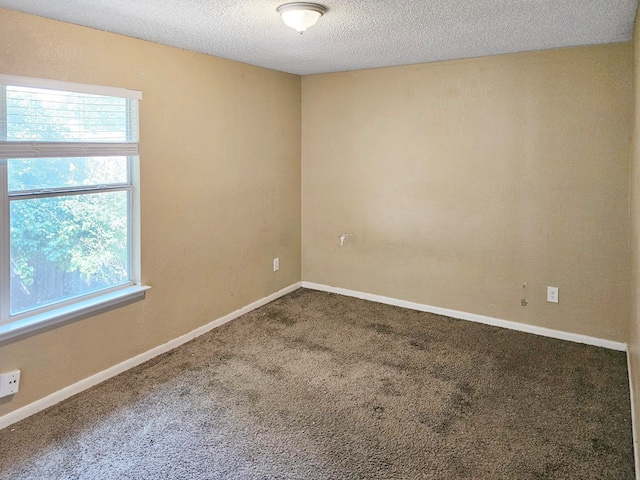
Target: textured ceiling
<point>353,34</point>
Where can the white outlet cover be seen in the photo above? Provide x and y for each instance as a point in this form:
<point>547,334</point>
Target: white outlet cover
<point>9,383</point>
<point>552,294</point>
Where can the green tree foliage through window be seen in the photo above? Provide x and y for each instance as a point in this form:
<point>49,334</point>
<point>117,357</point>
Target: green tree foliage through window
<point>69,216</point>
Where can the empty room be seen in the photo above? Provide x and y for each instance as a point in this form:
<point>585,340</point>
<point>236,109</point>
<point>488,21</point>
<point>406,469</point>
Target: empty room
<point>333,240</point>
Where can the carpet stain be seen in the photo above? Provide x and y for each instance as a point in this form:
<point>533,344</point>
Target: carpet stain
<point>583,387</point>
<point>462,398</point>
<point>420,344</point>
<point>274,372</point>
<point>398,364</point>
<point>381,328</point>
<point>278,316</point>
<point>458,405</point>
<point>547,471</point>
<point>461,469</point>
<point>601,446</point>
<point>253,397</point>
<point>310,345</point>
<point>388,388</point>
<point>444,425</point>
<point>379,412</point>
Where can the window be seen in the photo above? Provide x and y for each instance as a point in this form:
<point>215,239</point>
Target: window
<point>68,198</point>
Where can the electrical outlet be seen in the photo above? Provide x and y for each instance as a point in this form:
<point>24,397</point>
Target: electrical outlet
<point>276,264</point>
<point>552,294</point>
<point>9,383</point>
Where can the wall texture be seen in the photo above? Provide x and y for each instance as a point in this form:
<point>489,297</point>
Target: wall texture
<point>462,181</point>
<point>220,192</point>
<point>634,334</point>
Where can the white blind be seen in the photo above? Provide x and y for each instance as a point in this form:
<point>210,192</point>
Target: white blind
<point>60,149</point>
<point>39,122</point>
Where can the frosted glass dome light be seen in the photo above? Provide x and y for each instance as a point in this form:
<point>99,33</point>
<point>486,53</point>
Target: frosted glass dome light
<point>300,15</point>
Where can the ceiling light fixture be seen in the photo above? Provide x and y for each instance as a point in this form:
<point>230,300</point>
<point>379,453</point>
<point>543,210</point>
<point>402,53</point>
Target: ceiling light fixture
<point>301,15</point>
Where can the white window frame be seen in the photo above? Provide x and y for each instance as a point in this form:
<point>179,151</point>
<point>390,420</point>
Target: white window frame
<point>20,324</point>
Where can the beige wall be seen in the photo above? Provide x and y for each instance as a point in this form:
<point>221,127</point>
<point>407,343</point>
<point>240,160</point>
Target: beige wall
<point>220,192</point>
<point>634,335</point>
<point>461,181</point>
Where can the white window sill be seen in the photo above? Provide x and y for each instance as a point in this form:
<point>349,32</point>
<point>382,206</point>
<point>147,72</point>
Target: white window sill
<point>68,312</point>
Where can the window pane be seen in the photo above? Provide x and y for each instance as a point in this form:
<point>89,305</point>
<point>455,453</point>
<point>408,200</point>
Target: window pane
<point>36,114</point>
<point>42,173</point>
<point>63,247</point>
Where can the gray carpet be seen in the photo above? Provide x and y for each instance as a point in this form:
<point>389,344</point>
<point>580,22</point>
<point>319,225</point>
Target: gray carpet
<point>320,386</point>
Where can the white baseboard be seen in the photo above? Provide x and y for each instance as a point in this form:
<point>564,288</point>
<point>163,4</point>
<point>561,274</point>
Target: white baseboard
<point>496,322</point>
<point>56,397</point>
<point>634,425</point>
